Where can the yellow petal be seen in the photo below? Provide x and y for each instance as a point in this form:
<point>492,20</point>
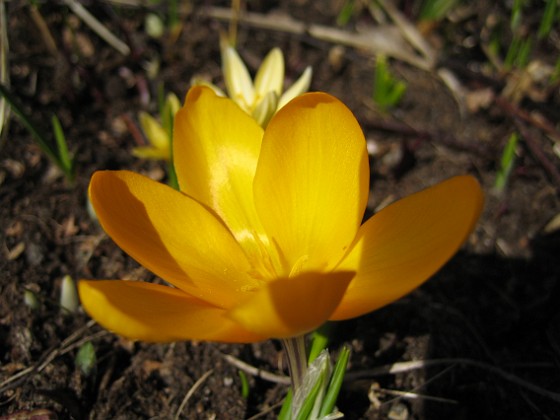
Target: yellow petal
<point>300,86</point>
<point>155,133</point>
<point>312,179</point>
<point>404,244</point>
<point>149,152</point>
<point>198,81</point>
<point>152,312</point>
<point>216,147</point>
<point>270,77</point>
<point>171,235</point>
<point>292,306</point>
<point>237,78</point>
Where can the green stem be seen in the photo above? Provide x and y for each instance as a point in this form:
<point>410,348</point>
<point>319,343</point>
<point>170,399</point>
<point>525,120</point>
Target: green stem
<point>297,359</point>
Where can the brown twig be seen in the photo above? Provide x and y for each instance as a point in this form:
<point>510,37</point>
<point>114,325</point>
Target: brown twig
<point>540,123</point>
<point>443,138</point>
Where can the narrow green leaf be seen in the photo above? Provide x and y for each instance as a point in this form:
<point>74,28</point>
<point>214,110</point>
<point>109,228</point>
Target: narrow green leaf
<point>335,383</point>
<point>506,163</point>
<point>436,10</point>
<point>286,410</point>
<point>244,384</point>
<point>62,146</point>
<point>345,13</point>
<point>309,402</point>
<point>26,121</point>
<point>548,18</point>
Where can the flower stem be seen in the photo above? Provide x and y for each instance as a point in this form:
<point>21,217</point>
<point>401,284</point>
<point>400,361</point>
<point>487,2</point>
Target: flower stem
<point>297,359</point>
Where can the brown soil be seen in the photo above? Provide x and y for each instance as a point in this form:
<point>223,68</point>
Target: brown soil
<point>493,309</point>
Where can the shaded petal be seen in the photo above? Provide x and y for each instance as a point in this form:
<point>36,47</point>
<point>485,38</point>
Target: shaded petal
<point>171,235</point>
<point>288,307</point>
<point>407,242</point>
<point>150,152</point>
<point>270,77</point>
<point>299,87</point>
<point>216,148</point>
<point>312,179</point>
<point>156,313</point>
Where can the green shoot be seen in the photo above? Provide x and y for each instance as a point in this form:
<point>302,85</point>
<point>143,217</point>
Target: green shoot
<point>69,300</point>
<point>346,12</point>
<point>86,359</point>
<point>506,163</point>
<point>518,52</point>
<point>317,397</point>
<point>516,14</point>
<point>319,341</point>
<point>30,300</point>
<point>244,384</point>
<point>549,17</point>
<point>61,161</point>
<point>435,10</point>
<point>62,146</point>
<point>387,90</point>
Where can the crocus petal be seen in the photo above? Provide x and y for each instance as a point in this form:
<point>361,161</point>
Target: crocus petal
<point>216,158</point>
<point>404,244</point>
<point>237,78</point>
<point>292,306</point>
<point>171,235</point>
<point>265,109</point>
<point>156,313</point>
<point>312,180</point>
<point>150,152</point>
<point>300,86</point>
<point>270,76</point>
<point>155,133</point>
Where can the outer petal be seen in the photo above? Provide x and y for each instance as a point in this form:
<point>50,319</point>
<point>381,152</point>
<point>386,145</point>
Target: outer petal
<point>153,312</point>
<point>312,180</point>
<point>404,244</point>
<point>292,306</point>
<point>172,235</point>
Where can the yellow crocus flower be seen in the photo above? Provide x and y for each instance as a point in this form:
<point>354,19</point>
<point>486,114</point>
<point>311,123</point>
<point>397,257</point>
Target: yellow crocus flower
<point>265,237</point>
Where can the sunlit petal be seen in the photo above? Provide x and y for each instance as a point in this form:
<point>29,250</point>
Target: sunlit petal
<point>404,244</point>
<point>216,159</point>
<point>237,78</point>
<point>292,306</point>
<point>172,235</point>
<point>312,180</point>
<point>156,313</point>
<point>270,77</point>
<point>300,86</point>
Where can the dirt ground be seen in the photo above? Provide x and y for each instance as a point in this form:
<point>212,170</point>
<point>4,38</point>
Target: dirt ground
<point>489,320</point>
